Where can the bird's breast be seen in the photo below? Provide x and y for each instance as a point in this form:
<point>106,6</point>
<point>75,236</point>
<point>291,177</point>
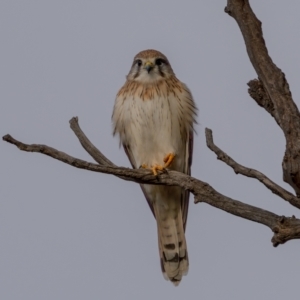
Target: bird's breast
<point>154,120</point>
<point>153,128</point>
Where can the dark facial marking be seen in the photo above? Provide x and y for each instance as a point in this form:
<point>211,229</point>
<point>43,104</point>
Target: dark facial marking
<point>160,61</point>
<point>138,62</point>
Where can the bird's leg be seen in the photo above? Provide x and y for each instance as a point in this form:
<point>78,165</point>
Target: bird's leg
<point>154,168</point>
<point>168,159</point>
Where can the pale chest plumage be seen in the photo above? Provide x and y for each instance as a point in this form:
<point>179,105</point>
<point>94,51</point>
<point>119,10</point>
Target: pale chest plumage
<point>154,120</point>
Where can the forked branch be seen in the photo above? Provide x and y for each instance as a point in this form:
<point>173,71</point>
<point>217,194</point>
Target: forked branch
<point>284,228</point>
<point>239,169</point>
<point>271,90</point>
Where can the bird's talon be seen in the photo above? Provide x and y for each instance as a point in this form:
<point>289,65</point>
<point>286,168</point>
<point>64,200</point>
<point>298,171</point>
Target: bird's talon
<point>168,159</point>
<point>156,168</point>
<point>165,171</point>
<point>154,171</point>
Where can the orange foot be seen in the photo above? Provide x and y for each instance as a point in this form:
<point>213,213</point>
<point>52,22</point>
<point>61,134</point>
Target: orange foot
<point>154,168</point>
<point>167,160</point>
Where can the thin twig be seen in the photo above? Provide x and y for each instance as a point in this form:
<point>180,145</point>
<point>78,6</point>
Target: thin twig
<point>87,145</point>
<point>252,173</point>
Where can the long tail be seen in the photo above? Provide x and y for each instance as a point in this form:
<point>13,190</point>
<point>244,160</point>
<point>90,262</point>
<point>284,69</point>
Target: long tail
<point>171,241</point>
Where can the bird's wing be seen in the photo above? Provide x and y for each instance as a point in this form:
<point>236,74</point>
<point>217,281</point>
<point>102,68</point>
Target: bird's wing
<point>133,164</point>
<point>185,195</point>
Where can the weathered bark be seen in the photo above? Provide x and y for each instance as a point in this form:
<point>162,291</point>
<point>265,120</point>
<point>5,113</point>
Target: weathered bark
<point>284,228</point>
<point>239,169</point>
<point>272,90</point>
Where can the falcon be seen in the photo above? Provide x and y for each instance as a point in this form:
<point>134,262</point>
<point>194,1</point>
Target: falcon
<point>154,115</point>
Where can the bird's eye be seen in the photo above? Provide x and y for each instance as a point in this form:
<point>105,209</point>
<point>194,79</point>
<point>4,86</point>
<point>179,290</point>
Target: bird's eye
<point>138,62</point>
<point>159,61</point>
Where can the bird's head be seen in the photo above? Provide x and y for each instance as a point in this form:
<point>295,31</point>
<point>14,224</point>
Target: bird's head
<point>150,66</point>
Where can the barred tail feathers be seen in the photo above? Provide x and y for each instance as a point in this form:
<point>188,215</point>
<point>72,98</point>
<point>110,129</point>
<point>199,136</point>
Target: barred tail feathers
<point>172,242</point>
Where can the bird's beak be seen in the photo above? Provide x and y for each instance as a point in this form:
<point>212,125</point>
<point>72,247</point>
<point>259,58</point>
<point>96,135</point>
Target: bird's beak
<point>149,66</point>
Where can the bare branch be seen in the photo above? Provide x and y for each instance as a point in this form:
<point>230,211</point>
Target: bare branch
<point>279,100</point>
<point>257,92</point>
<point>270,91</point>
<point>239,169</point>
<point>284,228</point>
<point>87,145</point>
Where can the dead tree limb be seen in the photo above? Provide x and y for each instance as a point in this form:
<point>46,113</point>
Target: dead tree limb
<point>239,169</point>
<point>284,228</point>
<point>88,146</point>
<point>271,90</point>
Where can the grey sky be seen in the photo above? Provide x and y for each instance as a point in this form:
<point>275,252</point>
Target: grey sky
<point>71,234</point>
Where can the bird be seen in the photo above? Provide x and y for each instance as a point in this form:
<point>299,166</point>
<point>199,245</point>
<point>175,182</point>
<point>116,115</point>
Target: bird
<point>154,116</point>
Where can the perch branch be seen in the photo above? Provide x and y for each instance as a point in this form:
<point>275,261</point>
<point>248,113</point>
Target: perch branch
<point>239,169</point>
<point>277,97</point>
<point>284,228</point>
